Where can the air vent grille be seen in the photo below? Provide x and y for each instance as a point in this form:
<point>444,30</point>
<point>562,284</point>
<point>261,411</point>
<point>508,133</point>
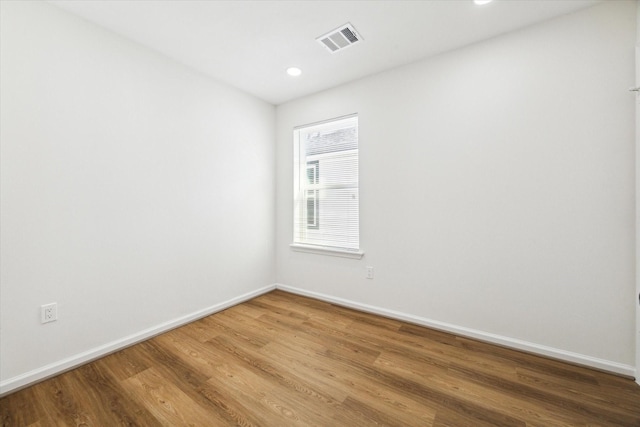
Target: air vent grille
<point>340,38</point>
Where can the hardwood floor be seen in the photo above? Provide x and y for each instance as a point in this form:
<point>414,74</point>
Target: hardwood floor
<point>282,360</point>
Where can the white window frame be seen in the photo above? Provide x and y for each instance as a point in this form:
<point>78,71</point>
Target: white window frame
<point>301,167</point>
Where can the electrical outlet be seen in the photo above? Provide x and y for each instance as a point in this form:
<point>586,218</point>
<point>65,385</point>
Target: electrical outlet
<point>369,272</point>
<point>49,312</point>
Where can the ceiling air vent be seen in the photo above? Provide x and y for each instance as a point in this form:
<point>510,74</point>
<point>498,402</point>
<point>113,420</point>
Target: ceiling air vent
<point>340,38</point>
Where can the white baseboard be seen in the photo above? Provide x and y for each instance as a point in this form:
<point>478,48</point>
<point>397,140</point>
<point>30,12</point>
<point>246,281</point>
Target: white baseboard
<point>554,353</point>
<point>56,368</point>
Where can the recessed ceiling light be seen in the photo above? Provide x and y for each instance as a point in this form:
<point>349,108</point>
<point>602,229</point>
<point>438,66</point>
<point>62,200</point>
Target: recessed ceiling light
<point>294,71</point>
<point>481,2</point>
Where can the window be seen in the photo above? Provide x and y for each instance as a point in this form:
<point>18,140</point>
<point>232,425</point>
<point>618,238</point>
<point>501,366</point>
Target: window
<point>326,206</point>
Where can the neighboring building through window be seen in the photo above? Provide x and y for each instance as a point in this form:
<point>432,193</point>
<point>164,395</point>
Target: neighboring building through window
<point>326,207</point>
<point>313,196</point>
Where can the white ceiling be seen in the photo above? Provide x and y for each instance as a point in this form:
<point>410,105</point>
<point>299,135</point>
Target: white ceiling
<point>250,44</point>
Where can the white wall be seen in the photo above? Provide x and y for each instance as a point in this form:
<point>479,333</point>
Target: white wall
<point>497,189</point>
<point>134,191</point>
<point>637,260</point>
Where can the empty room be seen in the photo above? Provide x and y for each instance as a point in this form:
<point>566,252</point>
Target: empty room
<point>319,213</point>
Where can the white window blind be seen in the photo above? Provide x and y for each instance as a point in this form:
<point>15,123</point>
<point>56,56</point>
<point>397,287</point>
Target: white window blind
<point>326,212</point>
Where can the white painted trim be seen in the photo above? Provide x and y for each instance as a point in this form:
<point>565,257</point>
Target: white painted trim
<point>636,295</point>
<point>324,250</point>
<point>56,368</point>
<point>554,353</point>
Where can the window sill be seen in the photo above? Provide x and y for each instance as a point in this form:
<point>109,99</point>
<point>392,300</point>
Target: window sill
<point>324,250</point>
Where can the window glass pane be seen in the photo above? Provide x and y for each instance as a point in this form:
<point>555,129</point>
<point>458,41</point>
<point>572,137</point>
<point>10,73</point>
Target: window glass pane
<point>326,206</point>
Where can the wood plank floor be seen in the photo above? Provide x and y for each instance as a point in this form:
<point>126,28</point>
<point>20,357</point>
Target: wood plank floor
<point>284,360</point>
